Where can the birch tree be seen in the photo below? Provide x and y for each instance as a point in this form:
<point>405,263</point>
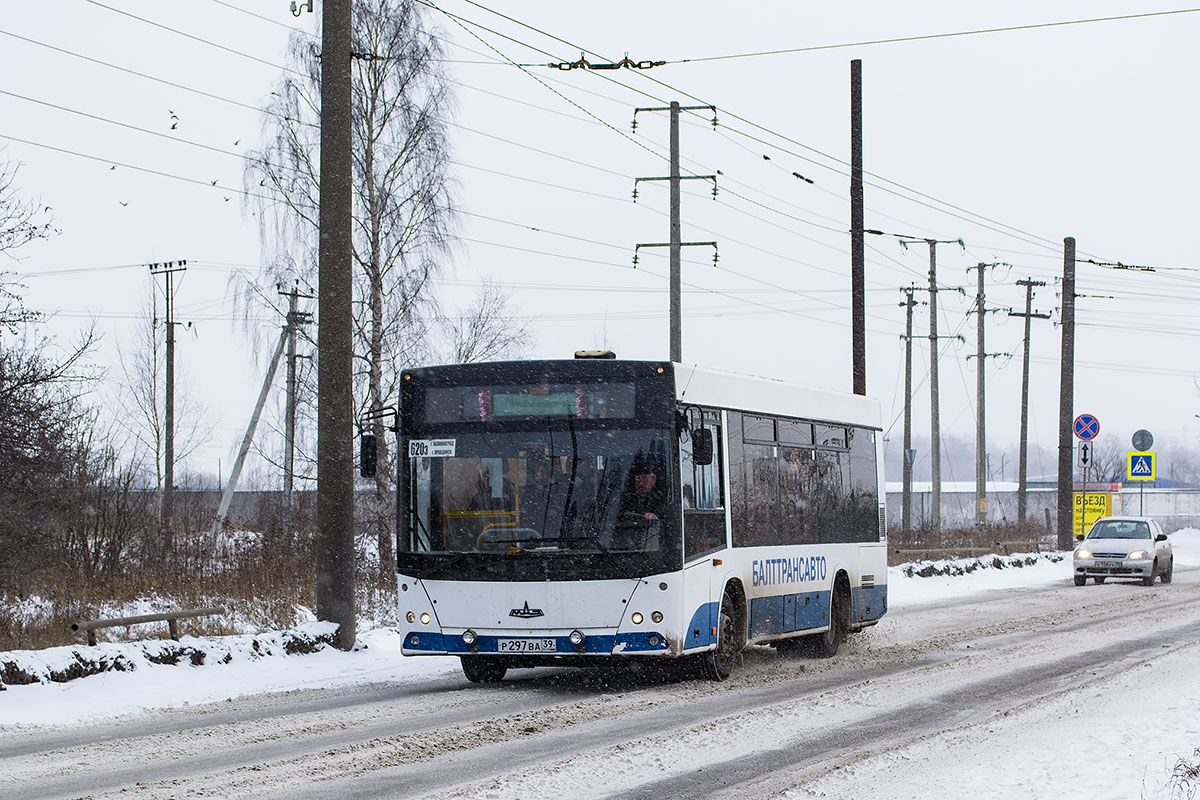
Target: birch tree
<point>404,219</point>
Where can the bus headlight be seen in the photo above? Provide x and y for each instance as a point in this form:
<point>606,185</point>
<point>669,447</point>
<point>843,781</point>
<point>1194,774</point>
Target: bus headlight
<point>576,638</point>
<point>469,638</point>
<point>656,616</point>
<point>636,618</point>
<point>425,617</point>
<point>411,617</point>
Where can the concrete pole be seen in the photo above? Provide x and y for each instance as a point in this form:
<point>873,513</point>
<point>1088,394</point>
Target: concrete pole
<point>935,430</point>
<point>906,507</point>
<point>676,240</point>
<point>858,314</point>
<point>980,394</point>
<point>335,402</point>
<point>1066,399</point>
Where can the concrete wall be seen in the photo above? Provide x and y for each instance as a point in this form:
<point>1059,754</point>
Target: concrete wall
<point>1174,508</point>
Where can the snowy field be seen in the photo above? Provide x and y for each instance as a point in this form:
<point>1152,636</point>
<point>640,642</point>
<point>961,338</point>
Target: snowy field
<point>1096,744</point>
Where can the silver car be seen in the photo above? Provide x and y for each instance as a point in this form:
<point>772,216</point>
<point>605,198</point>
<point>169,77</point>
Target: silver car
<point>1123,547</point>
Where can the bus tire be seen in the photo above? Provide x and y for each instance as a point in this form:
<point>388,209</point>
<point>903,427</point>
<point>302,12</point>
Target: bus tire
<point>718,662</point>
<point>483,669</point>
<point>826,645</point>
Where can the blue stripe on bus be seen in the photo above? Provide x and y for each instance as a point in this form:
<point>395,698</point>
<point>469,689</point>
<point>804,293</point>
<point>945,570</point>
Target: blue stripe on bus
<point>429,642</point>
<point>870,602</point>
<point>785,613</point>
<point>700,630</point>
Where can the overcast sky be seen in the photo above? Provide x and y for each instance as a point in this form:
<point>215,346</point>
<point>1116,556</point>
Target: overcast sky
<point>1009,140</point>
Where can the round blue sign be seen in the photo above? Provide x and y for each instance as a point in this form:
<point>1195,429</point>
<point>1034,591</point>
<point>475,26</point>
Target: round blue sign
<point>1087,427</point>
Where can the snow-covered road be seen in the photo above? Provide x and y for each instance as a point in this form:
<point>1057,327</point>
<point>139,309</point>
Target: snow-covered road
<point>1027,687</point>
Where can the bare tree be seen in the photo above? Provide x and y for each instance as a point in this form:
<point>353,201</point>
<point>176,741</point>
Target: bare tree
<point>403,206</point>
<point>486,331</point>
<point>141,391</point>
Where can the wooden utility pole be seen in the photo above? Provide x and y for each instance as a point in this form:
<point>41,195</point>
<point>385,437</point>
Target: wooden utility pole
<point>1066,399</point>
<point>335,402</point>
<point>858,313</point>
<point>676,244</point>
<point>1023,455</point>
<point>166,509</point>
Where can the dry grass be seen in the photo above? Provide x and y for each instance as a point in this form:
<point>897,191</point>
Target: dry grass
<point>961,542</point>
<point>263,582</point>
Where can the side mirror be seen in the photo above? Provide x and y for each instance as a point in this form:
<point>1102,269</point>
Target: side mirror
<point>1162,537</point>
<point>702,447</point>
<point>366,455</point>
<point>1079,537</point>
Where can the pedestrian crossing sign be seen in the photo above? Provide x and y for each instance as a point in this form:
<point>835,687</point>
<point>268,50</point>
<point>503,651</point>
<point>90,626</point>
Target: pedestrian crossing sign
<point>1140,466</point>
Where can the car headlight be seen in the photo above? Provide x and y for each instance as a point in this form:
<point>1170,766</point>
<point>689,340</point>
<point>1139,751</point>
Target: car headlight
<point>1083,553</point>
<point>1138,555</point>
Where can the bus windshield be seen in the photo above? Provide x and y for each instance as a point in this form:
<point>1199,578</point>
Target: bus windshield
<point>530,493</point>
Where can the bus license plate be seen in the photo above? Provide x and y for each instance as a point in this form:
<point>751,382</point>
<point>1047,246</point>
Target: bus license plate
<point>526,646</point>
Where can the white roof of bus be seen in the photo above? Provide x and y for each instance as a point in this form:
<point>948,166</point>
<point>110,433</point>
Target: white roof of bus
<point>709,387</point>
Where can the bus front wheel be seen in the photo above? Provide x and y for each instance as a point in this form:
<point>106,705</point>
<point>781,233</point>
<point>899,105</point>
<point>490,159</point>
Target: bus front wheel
<point>483,669</point>
<point>718,663</point>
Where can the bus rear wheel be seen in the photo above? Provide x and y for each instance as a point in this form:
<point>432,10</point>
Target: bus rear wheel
<point>483,669</point>
<point>827,644</point>
<point>718,663</point>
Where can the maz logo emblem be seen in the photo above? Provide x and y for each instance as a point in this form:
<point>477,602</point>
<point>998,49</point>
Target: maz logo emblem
<point>526,612</point>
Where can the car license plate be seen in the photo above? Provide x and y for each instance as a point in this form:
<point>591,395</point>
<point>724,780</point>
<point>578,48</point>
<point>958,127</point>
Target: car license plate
<point>1108,564</point>
<point>527,646</point>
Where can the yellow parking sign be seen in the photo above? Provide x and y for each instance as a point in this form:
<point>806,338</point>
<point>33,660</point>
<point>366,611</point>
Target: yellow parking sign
<point>1140,466</point>
<point>1099,504</point>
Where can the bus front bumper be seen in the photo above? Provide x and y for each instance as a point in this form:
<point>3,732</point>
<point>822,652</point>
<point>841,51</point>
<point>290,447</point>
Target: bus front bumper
<point>552,644</point>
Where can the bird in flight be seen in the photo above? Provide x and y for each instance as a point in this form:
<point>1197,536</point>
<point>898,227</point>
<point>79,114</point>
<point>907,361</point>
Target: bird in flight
<point>123,202</point>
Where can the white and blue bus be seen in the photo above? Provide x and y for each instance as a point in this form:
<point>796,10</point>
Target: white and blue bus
<point>574,512</point>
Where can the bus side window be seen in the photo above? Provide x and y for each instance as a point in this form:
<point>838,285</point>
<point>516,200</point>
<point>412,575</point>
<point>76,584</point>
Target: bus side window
<point>703,502</point>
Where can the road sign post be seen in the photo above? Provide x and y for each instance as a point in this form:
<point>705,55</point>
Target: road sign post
<point>1141,466</point>
<point>1087,427</point>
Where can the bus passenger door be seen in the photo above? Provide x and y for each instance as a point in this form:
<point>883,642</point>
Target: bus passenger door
<point>704,523</point>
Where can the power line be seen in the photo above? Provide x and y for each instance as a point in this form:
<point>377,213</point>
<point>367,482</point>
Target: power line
<point>931,36</point>
<point>835,160</point>
<point>195,38</point>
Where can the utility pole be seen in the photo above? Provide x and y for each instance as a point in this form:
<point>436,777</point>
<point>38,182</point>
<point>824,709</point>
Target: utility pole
<point>675,244</point>
<point>980,432</point>
<point>858,313</point>
<point>335,401</point>
<point>166,509</point>
<point>1066,398</point>
<point>980,396</point>
<point>1028,283</point>
<point>236,473</point>
<point>935,430</point>
<point>906,505</point>
<point>295,319</point>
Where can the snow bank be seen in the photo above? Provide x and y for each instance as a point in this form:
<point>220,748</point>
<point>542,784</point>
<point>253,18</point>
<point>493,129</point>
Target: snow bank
<point>62,664</point>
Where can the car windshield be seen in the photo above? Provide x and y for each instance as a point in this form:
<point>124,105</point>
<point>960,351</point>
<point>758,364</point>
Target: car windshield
<point>1120,529</point>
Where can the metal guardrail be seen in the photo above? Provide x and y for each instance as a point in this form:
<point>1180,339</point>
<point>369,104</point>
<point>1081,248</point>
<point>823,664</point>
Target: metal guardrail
<point>170,617</point>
